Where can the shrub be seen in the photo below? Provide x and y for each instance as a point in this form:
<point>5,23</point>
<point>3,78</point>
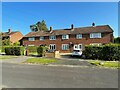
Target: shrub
<point>32,49</point>
<point>14,50</point>
<point>92,52</point>
<point>41,50</point>
<point>105,52</point>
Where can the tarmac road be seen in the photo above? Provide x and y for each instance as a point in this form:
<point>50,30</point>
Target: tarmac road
<point>39,76</point>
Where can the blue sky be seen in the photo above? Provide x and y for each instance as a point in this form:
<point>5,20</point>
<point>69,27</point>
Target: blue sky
<point>20,15</point>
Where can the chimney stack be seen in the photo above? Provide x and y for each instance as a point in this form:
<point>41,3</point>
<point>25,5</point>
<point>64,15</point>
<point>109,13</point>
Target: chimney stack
<point>51,29</point>
<point>72,26</point>
<point>9,30</point>
<point>93,24</point>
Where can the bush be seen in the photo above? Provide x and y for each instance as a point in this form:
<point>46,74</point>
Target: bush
<point>92,52</point>
<point>14,50</point>
<point>41,50</point>
<point>105,52</point>
<point>32,49</point>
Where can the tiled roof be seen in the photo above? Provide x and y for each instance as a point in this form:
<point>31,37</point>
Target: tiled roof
<point>80,30</point>
<point>5,34</point>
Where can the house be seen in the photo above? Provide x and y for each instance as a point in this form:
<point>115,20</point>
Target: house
<point>13,36</point>
<point>66,40</point>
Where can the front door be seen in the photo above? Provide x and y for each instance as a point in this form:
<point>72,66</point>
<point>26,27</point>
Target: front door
<point>77,47</point>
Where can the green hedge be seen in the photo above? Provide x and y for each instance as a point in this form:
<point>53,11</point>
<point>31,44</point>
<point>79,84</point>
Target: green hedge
<point>32,49</point>
<point>41,50</point>
<point>14,50</point>
<point>105,52</point>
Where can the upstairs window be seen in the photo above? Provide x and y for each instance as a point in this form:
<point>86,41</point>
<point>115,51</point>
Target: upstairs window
<point>95,35</point>
<point>31,38</point>
<point>52,37</point>
<point>42,38</point>
<point>79,36</point>
<point>65,36</point>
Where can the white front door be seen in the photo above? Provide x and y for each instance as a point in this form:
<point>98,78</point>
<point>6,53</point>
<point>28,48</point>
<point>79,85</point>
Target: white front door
<point>77,47</point>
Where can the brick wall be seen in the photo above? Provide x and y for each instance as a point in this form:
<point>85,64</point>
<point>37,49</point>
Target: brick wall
<point>86,40</point>
<point>15,37</point>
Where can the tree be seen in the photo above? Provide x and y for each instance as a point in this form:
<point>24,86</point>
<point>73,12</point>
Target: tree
<point>6,42</point>
<point>117,40</point>
<point>39,26</point>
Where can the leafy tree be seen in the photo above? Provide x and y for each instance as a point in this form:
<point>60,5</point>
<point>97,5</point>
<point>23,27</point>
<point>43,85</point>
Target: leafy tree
<point>39,26</point>
<point>6,42</point>
<point>16,43</point>
<point>117,40</point>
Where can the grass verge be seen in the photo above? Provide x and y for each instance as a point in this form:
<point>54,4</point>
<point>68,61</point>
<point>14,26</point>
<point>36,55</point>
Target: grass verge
<point>40,60</point>
<point>7,57</point>
<point>113,64</point>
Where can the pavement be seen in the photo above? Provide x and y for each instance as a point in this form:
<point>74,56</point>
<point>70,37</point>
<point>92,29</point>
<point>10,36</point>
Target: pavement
<point>18,75</point>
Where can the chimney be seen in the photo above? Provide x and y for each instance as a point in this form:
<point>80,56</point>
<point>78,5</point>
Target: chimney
<point>9,30</point>
<point>93,24</point>
<point>51,29</point>
<point>72,26</point>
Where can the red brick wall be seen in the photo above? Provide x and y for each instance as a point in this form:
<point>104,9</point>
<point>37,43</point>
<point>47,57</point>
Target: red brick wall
<point>86,40</point>
<point>15,37</point>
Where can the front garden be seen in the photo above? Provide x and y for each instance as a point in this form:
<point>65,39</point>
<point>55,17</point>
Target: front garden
<point>100,55</point>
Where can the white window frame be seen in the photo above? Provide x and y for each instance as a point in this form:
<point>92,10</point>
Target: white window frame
<point>95,35</point>
<point>96,44</point>
<point>31,39</point>
<point>31,45</point>
<point>78,36</point>
<point>42,38</point>
<point>65,46</point>
<point>52,45</point>
<point>65,36</point>
<point>52,37</point>
<point>77,45</point>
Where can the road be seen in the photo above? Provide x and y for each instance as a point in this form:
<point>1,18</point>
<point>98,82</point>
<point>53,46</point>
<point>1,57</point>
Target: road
<point>39,76</point>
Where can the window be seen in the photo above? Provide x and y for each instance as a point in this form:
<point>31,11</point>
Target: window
<point>65,46</point>
<point>42,38</point>
<point>31,39</point>
<point>31,45</point>
<point>52,37</point>
<point>96,44</point>
<point>77,47</point>
<point>95,35</point>
<point>65,36</point>
<point>52,47</point>
<point>78,36</point>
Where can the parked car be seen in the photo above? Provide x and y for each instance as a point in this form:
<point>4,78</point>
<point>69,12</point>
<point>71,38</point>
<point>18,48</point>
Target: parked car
<point>77,53</point>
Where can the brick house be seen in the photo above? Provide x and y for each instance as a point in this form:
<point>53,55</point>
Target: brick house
<point>13,36</point>
<point>66,40</point>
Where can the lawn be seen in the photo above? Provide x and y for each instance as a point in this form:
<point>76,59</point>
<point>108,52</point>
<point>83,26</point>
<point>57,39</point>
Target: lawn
<point>40,60</point>
<point>7,57</point>
<point>114,64</point>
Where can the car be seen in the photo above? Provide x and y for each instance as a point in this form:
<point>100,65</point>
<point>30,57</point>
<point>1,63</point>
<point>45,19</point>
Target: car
<point>77,53</point>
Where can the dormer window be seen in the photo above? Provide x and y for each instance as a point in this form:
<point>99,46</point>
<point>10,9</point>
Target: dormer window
<point>42,38</point>
<point>95,35</point>
<point>52,37</point>
<point>79,36</point>
<point>65,36</point>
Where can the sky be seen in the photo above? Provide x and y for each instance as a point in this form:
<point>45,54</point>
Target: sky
<point>18,16</point>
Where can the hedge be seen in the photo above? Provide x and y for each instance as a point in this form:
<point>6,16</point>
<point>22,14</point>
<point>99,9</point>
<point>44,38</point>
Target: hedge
<point>14,50</point>
<point>41,50</point>
<point>105,52</point>
<point>32,49</point>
